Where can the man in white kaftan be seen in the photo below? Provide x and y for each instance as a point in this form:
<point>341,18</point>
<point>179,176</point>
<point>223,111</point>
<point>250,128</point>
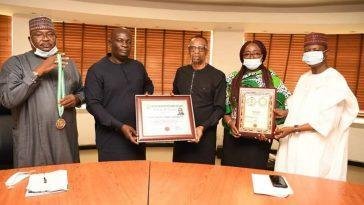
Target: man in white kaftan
<point>314,139</point>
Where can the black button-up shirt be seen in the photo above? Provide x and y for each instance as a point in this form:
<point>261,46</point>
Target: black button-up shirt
<point>207,88</point>
<point>110,91</point>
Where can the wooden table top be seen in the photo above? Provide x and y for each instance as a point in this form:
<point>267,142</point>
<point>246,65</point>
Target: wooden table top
<point>159,183</point>
<point>89,183</point>
<point>179,183</point>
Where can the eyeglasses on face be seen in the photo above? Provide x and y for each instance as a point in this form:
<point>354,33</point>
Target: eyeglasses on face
<point>252,55</point>
<point>197,48</point>
<point>42,35</point>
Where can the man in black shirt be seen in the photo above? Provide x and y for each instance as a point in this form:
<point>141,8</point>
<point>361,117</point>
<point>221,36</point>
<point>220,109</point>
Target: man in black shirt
<point>207,86</point>
<point>110,89</point>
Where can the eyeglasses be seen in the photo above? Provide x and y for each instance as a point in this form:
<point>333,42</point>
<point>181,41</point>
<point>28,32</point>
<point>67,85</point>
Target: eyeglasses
<point>42,35</point>
<point>252,55</point>
<point>197,48</point>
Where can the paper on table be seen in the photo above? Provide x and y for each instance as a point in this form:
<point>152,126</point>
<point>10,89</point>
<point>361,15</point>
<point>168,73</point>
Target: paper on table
<point>16,178</point>
<point>263,185</point>
<point>45,183</point>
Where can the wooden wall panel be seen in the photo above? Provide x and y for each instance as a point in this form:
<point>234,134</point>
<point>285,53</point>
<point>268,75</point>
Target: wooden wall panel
<point>345,53</point>
<point>5,38</point>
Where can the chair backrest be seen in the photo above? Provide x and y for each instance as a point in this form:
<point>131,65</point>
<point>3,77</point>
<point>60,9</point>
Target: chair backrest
<point>6,140</point>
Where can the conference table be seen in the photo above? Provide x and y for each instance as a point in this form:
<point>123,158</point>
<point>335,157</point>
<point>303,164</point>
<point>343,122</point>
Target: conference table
<point>160,183</point>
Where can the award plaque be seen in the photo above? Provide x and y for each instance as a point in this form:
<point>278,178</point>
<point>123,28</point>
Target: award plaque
<point>164,118</point>
<point>255,111</point>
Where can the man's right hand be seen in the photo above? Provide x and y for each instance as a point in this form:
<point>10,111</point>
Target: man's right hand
<point>50,63</point>
<point>282,132</point>
<point>130,133</point>
<point>234,129</point>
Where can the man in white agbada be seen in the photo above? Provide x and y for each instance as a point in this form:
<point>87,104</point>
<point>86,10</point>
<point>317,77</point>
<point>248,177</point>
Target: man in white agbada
<point>314,138</point>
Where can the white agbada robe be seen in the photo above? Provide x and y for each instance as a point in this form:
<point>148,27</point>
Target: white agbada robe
<point>325,102</point>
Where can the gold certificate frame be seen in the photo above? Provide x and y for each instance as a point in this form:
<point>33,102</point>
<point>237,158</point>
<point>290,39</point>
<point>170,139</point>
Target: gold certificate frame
<point>164,118</point>
<point>255,111</point>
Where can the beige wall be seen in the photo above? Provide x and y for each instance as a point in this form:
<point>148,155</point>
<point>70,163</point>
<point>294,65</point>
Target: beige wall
<point>225,56</point>
<point>20,34</point>
<point>226,46</point>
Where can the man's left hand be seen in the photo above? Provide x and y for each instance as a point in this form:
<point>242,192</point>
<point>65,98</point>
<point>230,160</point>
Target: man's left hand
<point>69,101</point>
<point>199,133</point>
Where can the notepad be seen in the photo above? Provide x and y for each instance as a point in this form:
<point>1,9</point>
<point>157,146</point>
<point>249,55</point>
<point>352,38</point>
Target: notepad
<point>46,183</point>
<point>263,185</point>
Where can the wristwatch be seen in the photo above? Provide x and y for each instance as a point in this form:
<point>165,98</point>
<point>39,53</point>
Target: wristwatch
<point>295,129</point>
<point>36,76</point>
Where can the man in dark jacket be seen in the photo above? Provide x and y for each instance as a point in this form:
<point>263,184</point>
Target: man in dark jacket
<point>207,87</point>
<point>110,89</point>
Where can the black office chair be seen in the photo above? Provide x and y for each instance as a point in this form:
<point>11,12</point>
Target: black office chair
<point>6,140</point>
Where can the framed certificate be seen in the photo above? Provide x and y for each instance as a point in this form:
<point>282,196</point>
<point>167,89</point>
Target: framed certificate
<point>255,111</point>
<point>164,118</point>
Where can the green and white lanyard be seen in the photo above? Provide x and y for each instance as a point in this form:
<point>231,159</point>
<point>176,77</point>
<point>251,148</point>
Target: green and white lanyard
<point>61,93</point>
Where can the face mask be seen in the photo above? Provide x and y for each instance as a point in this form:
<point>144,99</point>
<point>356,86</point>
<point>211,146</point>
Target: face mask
<point>44,54</point>
<point>313,57</point>
<point>252,64</point>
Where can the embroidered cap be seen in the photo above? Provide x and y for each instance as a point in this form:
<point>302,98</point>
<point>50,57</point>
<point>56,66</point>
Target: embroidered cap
<point>315,39</point>
<point>40,23</point>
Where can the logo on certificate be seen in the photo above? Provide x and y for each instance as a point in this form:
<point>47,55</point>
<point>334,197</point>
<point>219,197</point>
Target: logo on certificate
<point>251,101</point>
<point>180,112</point>
<point>263,101</point>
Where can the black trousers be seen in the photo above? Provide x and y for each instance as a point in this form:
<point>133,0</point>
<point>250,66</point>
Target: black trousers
<point>202,152</point>
<point>107,155</point>
<point>112,146</point>
<point>244,152</point>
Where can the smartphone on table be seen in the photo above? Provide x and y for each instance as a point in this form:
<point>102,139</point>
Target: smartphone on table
<point>278,181</point>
